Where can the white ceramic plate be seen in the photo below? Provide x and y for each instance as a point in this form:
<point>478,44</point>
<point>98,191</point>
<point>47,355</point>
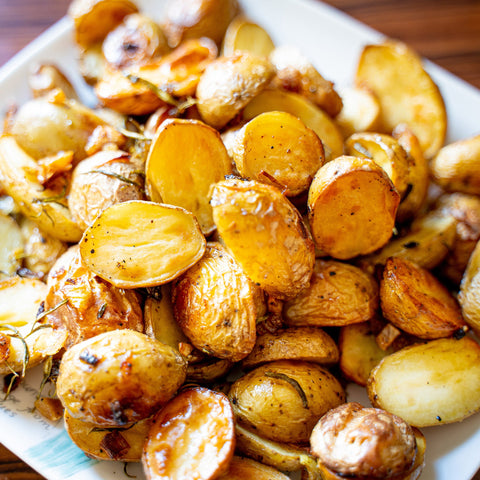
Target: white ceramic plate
<point>333,42</point>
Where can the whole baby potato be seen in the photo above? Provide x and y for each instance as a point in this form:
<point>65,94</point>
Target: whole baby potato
<point>119,378</point>
<point>283,400</point>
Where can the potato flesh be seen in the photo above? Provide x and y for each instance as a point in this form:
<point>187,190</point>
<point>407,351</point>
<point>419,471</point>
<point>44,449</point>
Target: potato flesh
<point>140,244</point>
<point>186,158</point>
<point>192,437</point>
<point>248,469</point>
<point>429,384</point>
<point>11,246</point>
<point>265,234</point>
<point>469,291</point>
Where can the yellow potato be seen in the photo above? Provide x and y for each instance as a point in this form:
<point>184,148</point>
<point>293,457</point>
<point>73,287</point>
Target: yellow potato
<point>429,384</point>
<point>469,292</point>
<point>265,234</point>
<point>186,158</point>
<point>406,92</point>
<point>352,206</point>
<point>141,244</point>
<point>208,371</point>
<point>11,246</point>
<point>247,469</point>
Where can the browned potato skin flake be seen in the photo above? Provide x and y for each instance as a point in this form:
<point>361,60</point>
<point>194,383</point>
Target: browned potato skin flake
<point>265,234</point>
<point>193,436</point>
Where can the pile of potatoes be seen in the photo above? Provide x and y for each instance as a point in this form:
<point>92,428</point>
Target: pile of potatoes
<point>205,258</point>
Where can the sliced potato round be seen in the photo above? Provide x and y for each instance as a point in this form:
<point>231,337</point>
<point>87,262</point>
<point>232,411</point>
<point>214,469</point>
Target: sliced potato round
<point>215,305</point>
<point>352,206</point>
<point>406,92</point>
<point>248,469</point>
<point>186,158</point>
<point>142,244</point>
<point>311,115</point>
<point>429,384</point>
<point>193,436</point>
<point>469,291</point>
<point>416,302</point>
<point>11,246</point>
<point>265,234</point>
<point>339,294</point>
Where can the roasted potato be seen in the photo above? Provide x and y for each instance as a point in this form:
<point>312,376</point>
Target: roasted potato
<point>247,469</point>
<point>278,148</point>
<point>186,158</point>
<point>469,293</point>
<point>46,77</point>
<point>11,246</point>
<point>251,218</point>
<point>351,207</point>
<point>429,384</point>
<point>123,244</point>
<point>92,63</point>
<point>298,394</point>
<point>118,378</point>
<point>193,436</point>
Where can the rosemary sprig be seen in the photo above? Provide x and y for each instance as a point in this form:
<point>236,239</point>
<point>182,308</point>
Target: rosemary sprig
<point>293,383</point>
<point>117,176</point>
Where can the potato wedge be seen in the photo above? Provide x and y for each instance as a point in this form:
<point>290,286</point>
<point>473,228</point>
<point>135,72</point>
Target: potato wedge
<point>228,84</point>
<point>352,206</point>
<point>455,168</point>
<point>308,344</point>
<point>429,384</point>
<point>142,244</point>
<point>469,292</point>
<point>44,206</point>
<point>193,436</point>
<point>339,294</point>
<point>278,148</point>
<point>11,246</point>
<point>312,116</point>
<point>404,82</point>
<point>185,159</point>
<point>251,218</point>
<point>245,36</point>
<point>416,302</point>
<point>247,469</point>
<point>27,345</point>
<point>386,152</point>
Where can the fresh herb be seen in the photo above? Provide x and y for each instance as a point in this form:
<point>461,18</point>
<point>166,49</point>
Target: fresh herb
<point>292,382</point>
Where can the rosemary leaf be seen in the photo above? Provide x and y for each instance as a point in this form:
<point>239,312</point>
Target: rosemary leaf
<point>293,383</point>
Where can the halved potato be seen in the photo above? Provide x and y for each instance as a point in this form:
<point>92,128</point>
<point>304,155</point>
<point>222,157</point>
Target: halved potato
<point>142,244</point>
<point>26,344</point>
<point>265,234</point>
<point>429,384</point>
<point>278,148</point>
<point>312,116</point>
<point>246,36</point>
<point>46,207</point>
<point>352,206</point>
<point>11,246</point>
<point>469,291</point>
<point>193,436</point>
<point>185,159</point>
<point>406,92</point>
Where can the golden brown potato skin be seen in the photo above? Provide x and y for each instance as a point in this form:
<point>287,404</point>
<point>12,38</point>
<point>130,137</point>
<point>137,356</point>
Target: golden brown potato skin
<point>118,378</point>
<point>339,294</point>
<point>469,297</point>
<point>269,399</point>
<point>366,442</point>
<point>241,468</point>
<point>215,305</point>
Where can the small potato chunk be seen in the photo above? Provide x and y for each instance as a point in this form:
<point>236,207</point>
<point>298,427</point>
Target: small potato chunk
<point>352,206</point>
<point>265,234</point>
<point>11,246</point>
<point>311,115</point>
<point>386,152</point>
<point>278,148</point>
<point>186,19</point>
<point>193,436</point>
<point>215,305</point>
<point>92,63</point>
<point>142,244</point>
<point>429,384</point>
<point>20,300</point>
<point>93,19</point>
<point>456,167</point>
<point>228,84</point>
<point>247,469</point>
<point>469,297</point>
<point>246,36</point>
<point>118,378</point>
<point>339,294</point>
<point>395,74</point>
<point>416,302</point>
<point>283,400</point>
<point>295,73</point>
<point>186,158</point>
<point>309,344</point>
<point>359,442</point>
<point>102,180</point>
<point>121,444</point>
<point>45,78</point>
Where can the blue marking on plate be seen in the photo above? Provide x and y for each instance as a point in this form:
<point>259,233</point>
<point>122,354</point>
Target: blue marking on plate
<point>60,454</point>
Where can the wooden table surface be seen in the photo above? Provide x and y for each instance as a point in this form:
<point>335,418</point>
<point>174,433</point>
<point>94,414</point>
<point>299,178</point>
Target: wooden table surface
<point>445,31</point>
